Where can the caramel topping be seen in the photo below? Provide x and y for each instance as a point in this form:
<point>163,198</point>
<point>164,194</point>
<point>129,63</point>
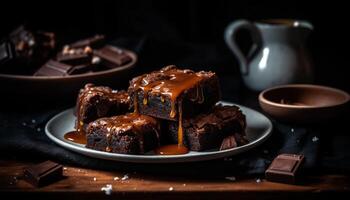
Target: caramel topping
<point>173,83</point>
<point>169,81</point>
<point>180,134</point>
<point>172,149</point>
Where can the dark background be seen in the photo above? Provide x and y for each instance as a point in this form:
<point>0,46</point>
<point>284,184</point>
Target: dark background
<point>188,33</point>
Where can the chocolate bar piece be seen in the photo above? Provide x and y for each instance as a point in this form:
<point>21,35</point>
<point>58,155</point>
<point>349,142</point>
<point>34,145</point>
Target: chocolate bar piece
<point>53,68</point>
<point>93,42</point>
<point>284,168</point>
<point>208,129</point>
<point>75,57</point>
<point>43,173</point>
<point>80,69</point>
<point>228,142</point>
<point>95,102</point>
<point>128,134</point>
<point>169,92</point>
<point>6,52</point>
<point>112,56</point>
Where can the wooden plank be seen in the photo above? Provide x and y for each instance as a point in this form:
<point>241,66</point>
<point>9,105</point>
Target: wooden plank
<point>87,183</point>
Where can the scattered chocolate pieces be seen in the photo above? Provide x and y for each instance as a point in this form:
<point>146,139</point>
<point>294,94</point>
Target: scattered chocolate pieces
<point>94,42</point>
<point>112,56</point>
<point>53,68</point>
<point>43,174</point>
<point>284,168</point>
<point>23,51</point>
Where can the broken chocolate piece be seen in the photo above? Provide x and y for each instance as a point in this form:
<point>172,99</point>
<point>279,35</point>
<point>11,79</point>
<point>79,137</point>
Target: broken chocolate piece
<point>93,42</point>
<point>112,56</point>
<point>43,173</point>
<point>6,52</point>
<point>284,168</point>
<point>53,68</point>
<point>74,57</point>
<point>229,142</point>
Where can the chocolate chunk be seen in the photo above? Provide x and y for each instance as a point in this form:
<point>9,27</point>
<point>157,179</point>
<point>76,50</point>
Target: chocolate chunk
<point>94,42</point>
<point>75,58</point>
<point>80,69</point>
<point>43,174</point>
<point>112,56</point>
<point>284,168</point>
<point>6,52</point>
<point>228,143</point>
<point>241,139</point>
<point>53,68</point>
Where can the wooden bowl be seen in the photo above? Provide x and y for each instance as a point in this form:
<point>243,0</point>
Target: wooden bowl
<point>302,103</point>
<point>60,88</point>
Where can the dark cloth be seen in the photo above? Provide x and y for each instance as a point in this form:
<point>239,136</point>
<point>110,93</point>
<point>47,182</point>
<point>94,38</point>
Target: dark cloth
<point>325,146</point>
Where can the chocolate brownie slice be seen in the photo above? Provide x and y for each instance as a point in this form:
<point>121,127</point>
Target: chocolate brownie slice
<point>207,130</point>
<point>169,91</point>
<point>97,101</point>
<point>128,134</point>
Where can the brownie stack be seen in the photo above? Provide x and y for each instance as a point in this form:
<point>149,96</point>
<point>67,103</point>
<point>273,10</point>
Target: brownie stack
<point>171,106</point>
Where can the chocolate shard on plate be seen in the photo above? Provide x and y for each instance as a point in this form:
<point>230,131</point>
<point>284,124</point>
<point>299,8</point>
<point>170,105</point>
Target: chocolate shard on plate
<point>284,168</point>
<point>208,129</point>
<point>112,56</point>
<point>131,133</point>
<point>169,92</point>
<point>53,68</point>
<point>93,42</point>
<point>6,52</point>
<point>75,57</point>
<point>82,69</point>
<point>228,142</point>
<point>43,173</point>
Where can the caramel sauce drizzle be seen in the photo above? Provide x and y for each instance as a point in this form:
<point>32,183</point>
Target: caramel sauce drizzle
<point>173,85</point>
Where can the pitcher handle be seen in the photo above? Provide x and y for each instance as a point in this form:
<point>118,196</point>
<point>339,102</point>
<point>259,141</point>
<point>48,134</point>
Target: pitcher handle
<point>230,39</point>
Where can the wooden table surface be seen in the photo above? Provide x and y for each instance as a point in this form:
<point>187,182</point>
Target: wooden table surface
<point>87,184</point>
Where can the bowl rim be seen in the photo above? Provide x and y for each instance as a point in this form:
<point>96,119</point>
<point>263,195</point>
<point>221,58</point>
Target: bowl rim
<point>131,64</point>
<point>263,99</point>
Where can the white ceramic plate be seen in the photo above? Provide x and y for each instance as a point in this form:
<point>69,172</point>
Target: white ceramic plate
<point>258,129</point>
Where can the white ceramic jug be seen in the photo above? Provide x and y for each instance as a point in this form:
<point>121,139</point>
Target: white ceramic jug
<point>278,55</point>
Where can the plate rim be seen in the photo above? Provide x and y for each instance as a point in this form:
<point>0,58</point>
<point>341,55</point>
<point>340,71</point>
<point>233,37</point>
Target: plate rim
<point>159,158</point>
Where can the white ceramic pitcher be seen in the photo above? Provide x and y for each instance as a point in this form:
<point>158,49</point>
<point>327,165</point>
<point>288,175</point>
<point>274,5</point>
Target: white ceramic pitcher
<point>278,55</point>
